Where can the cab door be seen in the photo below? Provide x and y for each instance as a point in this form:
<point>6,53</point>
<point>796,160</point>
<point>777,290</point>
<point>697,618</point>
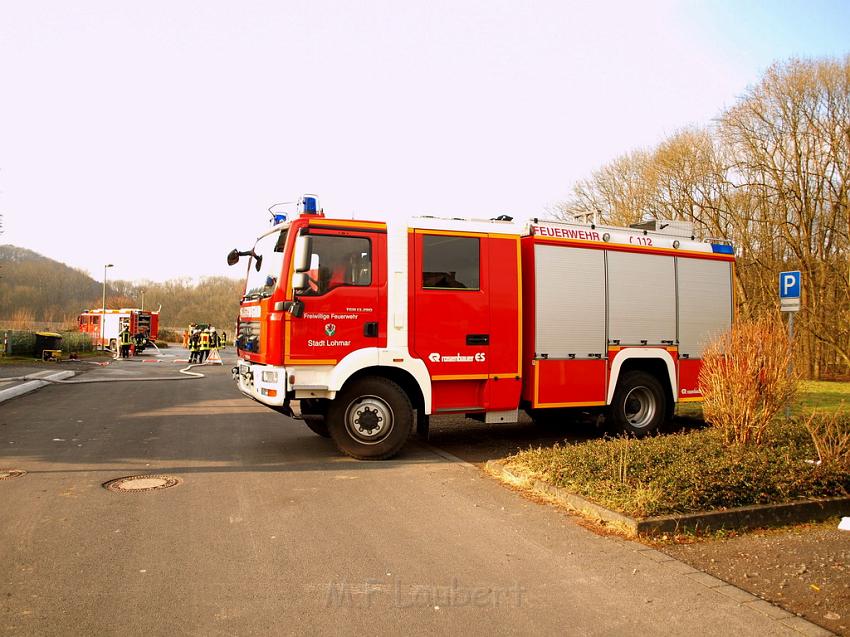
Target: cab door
<point>342,307</point>
<point>461,327</point>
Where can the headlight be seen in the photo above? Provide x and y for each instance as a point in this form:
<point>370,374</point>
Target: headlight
<point>270,377</point>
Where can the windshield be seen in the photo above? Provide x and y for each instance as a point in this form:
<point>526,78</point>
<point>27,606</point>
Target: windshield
<point>269,251</point>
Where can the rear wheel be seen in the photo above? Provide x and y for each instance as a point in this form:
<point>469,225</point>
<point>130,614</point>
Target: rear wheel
<point>640,403</point>
<point>371,419</point>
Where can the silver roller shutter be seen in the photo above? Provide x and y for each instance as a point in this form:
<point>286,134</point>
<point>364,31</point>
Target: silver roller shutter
<point>705,303</point>
<point>641,298</point>
<point>569,301</point>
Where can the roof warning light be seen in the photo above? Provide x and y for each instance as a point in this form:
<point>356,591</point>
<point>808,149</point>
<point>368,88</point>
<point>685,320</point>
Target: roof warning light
<point>310,204</point>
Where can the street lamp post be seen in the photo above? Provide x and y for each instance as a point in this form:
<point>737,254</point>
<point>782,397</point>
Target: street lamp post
<point>103,305</point>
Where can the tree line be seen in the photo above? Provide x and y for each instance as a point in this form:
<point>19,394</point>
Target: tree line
<point>37,290</point>
<point>771,175</point>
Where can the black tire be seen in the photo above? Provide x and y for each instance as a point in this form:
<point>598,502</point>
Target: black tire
<point>640,404</point>
<point>317,425</point>
<point>370,419</point>
<point>315,414</point>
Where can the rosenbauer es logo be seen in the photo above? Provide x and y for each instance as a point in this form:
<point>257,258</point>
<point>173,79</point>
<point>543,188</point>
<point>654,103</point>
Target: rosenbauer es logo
<point>478,357</point>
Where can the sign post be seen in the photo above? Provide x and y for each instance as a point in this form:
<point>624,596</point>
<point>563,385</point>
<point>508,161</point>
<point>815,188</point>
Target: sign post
<point>789,301</point>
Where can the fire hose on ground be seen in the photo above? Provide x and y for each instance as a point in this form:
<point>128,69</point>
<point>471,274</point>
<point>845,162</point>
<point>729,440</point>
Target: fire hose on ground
<point>187,375</point>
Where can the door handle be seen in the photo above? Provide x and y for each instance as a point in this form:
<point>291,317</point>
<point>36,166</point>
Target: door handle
<point>370,330</point>
<point>477,339</point>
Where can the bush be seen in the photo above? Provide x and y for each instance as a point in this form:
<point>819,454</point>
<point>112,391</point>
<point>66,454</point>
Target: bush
<point>168,335</point>
<point>745,379</point>
<point>21,343</point>
<point>830,434</point>
<point>76,342</point>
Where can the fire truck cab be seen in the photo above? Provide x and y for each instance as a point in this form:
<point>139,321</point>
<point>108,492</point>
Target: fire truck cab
<point>367,328</point>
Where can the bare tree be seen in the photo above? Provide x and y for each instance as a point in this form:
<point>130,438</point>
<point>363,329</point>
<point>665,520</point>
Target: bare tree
<point>772,175</point>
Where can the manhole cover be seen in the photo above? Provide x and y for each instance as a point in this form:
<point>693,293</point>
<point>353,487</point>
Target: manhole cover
<point>8,474</point>
<point>141,483</point>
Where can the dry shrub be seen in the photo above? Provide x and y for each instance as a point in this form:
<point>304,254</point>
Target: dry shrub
<point>745,380</point>
<point>22,319</point>
<point>831,434</point>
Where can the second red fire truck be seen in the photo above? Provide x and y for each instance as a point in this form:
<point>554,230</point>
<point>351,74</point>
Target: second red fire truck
<point>105,326</point>
<point>367,328</point>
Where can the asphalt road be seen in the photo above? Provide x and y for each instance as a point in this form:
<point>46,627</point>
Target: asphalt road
<point>271,531</point>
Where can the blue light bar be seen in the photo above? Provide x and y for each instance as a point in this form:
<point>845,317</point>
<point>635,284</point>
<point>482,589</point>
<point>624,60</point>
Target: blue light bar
<point>278,218</point>
<point>722,248</point>
<point>311,204</point>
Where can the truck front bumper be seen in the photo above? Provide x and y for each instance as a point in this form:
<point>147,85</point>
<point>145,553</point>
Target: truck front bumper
<point>266,384</point>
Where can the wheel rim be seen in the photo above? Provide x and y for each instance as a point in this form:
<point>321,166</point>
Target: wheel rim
<point>639,407</point>
<point>369,420</point>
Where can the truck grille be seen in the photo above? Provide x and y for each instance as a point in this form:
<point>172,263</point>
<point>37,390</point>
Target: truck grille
<point>248,337</point>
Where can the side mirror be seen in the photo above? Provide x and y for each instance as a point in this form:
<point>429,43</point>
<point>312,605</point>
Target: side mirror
<point>303,251</point>
<point>295,308</point>
<point>233,257</point>
<point>299,281</point>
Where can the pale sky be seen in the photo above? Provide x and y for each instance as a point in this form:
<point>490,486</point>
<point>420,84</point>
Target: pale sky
<point>155,135</point>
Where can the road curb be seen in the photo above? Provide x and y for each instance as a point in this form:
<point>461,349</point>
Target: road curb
<point>445,455</point>
<point>32,385</point>
<point>739,518</point>
<point>720,587</point>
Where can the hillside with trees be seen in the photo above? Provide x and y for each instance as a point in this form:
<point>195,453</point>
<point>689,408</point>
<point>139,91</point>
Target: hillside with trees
<point>772,174</point>
<point>38,291</point>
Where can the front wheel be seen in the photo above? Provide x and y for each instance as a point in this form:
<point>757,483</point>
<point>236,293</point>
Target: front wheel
<point>317,425</point>
<point>315,413</point>
<point>640,403</point>
<point>371,419</point>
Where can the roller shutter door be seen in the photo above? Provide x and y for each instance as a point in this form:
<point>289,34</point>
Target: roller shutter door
<point>641,298</point>
<point>705,303</point>
<point>569,301</point>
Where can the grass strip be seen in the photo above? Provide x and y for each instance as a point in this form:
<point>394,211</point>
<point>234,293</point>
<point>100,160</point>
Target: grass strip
<point>688,472</point>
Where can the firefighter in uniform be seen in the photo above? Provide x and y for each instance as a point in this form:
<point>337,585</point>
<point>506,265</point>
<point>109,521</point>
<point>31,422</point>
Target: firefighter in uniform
<point>204,347</point>
<point>190,340</point>
<point>125,339</point>
<point>194,342</point>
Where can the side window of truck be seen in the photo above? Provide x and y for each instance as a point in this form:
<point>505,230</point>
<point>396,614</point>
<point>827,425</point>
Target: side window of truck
<point>338,261</point>
<point>450,262</point>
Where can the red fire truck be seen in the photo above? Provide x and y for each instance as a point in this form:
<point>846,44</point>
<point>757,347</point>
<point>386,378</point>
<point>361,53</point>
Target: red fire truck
<point>367,328</point>
<point>106,325</point>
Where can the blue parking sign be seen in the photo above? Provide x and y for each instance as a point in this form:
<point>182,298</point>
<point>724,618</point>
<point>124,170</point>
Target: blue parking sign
<point>789,285</point>
<point>789,292</point>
